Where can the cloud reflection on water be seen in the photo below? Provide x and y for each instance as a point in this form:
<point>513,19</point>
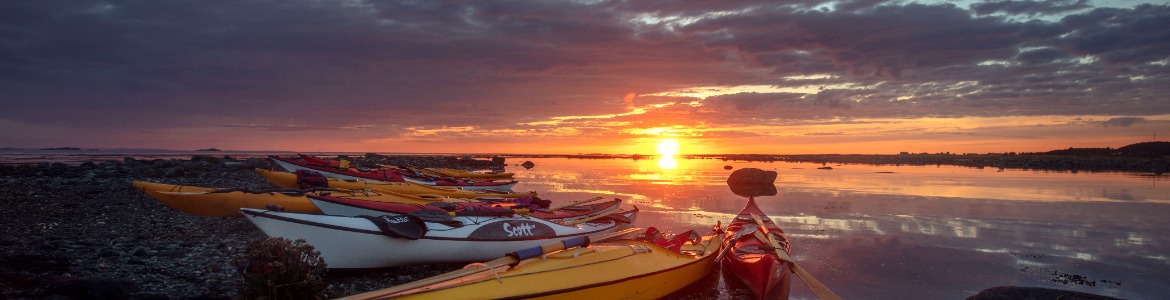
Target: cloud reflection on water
<point>920,232</point>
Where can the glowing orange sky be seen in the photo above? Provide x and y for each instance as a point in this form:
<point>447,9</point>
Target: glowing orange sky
<point>567,77</point>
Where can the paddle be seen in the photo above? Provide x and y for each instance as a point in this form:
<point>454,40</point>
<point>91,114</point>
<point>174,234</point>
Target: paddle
<point>593,217</point>
<point>510,259</point>
<point>815,285</point>
<point>574,203</point>
<point>734,236</point>
<point>260,191</point>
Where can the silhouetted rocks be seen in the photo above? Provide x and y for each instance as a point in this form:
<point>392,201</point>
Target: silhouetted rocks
<point>1033,293</point>
<point>1147,157</point>
<point>527,164</point>
<point>753,189</point>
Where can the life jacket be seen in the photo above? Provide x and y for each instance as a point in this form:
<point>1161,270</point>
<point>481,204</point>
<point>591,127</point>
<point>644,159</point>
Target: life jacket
<point>310,179</point>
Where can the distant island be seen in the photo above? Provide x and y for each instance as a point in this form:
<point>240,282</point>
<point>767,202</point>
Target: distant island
<point>1152,157</point>
<point>62,148</point>
<point>209,149</point>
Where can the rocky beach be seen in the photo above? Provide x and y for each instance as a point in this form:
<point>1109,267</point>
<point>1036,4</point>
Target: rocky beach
<point>83,232</point>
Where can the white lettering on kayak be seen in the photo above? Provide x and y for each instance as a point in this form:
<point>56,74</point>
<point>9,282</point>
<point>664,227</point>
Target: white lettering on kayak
<point>395,220</point>
<point>519,230</point>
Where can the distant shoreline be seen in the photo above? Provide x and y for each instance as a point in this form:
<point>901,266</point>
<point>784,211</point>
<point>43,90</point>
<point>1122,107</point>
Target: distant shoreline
<point>1140,164</point>
<point>1143,164</point>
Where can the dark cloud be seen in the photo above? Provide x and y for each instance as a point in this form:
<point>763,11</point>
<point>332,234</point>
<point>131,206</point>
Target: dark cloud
<point>1122,122</point>
<point>1029,7</point>
<point>322,66</point>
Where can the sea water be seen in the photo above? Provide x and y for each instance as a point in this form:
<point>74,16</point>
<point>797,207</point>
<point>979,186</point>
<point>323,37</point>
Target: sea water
<point>874,232</point>
<point>905,232</point>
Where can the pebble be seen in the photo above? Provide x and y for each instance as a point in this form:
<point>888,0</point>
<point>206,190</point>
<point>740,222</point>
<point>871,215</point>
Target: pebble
<point>86,228</point>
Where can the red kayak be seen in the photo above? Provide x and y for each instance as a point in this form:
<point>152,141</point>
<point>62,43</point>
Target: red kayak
<point>342,206</point>
<point>346,172</point>
<point>754,261</point>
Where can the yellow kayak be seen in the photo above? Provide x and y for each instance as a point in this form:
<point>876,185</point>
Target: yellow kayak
<point>210,202</point>
<point>289,180</point>
<point>466,174</point>
<point>623,269</point>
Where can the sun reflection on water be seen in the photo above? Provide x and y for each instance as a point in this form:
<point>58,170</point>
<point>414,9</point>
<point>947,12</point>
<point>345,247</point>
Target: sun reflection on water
<point>667,162</point>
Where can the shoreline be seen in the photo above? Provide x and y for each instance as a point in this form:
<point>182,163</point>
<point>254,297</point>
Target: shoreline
<point>83,232</point>
<point>1140,164</point>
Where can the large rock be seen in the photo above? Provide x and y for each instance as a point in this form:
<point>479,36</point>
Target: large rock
<point>751,176</point>
<point>1033,293</point>
<point>753,189</point>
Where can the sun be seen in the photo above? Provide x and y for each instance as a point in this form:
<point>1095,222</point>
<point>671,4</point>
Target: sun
<point>667,147</point>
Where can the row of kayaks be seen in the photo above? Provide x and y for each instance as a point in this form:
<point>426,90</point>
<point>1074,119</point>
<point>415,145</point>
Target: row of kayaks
<point>343,169</point>
<point>647,266</point>
<point>517,247</point>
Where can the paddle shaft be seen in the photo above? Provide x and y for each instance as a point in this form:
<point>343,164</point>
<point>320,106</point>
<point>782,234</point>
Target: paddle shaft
<point>734,236</point>
<point>574,203</point>
<point>815,285</point>
<point>593,217</point>
<point>499,262</point>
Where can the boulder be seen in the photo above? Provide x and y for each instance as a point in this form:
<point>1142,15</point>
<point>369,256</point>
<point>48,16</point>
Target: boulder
<point>751,176</point>
<point>1017,292</point>
<point>527,164</point>
<point>753,189</point>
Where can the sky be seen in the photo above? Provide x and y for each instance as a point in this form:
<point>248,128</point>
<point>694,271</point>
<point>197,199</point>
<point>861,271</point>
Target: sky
<point>567,77</point>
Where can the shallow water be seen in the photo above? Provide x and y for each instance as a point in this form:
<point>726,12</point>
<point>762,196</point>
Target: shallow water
<point>907,232</point>
<point>878,232</point>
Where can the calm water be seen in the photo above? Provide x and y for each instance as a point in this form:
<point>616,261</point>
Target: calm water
<point>881,232</point>
<point>908,232</point>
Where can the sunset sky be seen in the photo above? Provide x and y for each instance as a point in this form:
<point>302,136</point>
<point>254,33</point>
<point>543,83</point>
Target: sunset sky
<point>774,77</point>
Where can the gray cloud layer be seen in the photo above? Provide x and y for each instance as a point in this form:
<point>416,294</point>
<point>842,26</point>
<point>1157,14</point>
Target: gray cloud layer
<point>346,65</point>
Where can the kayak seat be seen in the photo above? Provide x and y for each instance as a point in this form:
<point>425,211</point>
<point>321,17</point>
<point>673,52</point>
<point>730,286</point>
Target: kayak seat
<point>674,243</point>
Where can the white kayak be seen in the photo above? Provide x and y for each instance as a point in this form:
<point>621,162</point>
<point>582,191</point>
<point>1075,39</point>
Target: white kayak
<point>405,239</point>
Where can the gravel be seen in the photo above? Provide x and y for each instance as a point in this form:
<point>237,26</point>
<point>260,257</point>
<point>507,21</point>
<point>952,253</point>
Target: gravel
<point>83,232</point>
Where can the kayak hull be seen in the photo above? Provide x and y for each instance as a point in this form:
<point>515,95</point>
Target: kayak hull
<point>342,206</point>
<point>753,261</point>
<point>209,202</point>
<point>357,242</point>
<point>388,176</point>
<point>624,269</point>
<point>289,180</point>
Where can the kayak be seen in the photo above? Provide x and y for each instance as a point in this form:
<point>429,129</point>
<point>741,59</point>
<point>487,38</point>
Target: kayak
<point>446,172</point>
<point>346,172</point>
<point>622,269</point>
<point>344,206</point>
<point>289,180</point>
<point>753,260</point>
<point>405,239</point>
<point>211,202</point>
